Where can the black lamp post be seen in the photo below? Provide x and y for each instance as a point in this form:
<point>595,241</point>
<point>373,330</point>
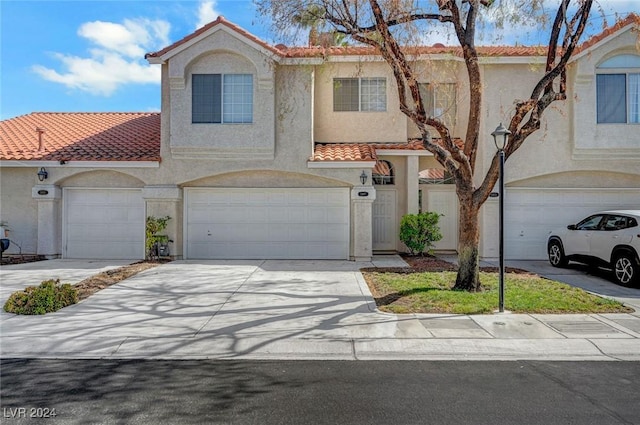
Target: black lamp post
<point>500,136</point>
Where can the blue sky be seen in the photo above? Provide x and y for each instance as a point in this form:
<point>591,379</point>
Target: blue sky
<point>88,56</point>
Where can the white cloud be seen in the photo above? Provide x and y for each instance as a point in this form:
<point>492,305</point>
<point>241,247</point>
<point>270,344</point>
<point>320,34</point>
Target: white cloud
<point>116,59</point>
<point>207,13</point>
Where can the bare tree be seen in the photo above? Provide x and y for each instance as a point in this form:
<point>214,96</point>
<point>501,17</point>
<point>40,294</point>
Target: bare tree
<point>390,25</point>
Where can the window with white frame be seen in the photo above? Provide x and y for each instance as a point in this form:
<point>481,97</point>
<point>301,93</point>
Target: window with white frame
<point>222,98</point>
<point>360,94</point>
<point>618,90</point>
<point>440,101</point>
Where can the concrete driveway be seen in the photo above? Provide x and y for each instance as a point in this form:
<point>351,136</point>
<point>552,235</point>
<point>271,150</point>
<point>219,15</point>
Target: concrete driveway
<point>284,310</point>
<point>227,306</point>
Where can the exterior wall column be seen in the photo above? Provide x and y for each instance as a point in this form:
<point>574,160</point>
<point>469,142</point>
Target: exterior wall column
<point>162,201</point>
<point>412,184</point>
<point>49,223</point>
<point>362,198</point>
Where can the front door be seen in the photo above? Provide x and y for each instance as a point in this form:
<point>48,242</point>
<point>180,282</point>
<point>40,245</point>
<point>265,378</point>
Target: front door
<point>385,233</point>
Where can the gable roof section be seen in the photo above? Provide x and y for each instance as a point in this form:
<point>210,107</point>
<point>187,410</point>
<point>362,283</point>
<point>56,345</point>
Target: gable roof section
<point>109,136</point>
<point>631,20</point>
<point>211,27</point>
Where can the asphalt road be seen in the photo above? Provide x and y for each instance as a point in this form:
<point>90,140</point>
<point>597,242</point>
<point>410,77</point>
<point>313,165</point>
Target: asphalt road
<point>319,392</point>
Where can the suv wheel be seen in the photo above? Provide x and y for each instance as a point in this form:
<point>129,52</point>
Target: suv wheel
<point>556,254</point>
<point>626,268</point>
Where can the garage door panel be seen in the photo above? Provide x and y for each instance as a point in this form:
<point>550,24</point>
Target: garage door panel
<point>530,214</point>
<point>267,223</point>
<point>103,223</point>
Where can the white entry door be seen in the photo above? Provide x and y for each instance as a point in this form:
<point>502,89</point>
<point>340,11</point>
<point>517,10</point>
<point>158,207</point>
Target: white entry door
<point>385,230</point>
<point>267,223</point>
<point>442,199</point>
<point>103,224</point>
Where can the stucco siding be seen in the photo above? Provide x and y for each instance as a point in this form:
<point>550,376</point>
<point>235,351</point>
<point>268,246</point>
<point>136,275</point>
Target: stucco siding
<point>356,127</point>
<point>603,140</point>
<point>221,53</point>
<point>18,208</point>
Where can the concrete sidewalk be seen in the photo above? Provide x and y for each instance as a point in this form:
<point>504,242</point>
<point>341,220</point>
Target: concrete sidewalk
<point>288,310</point>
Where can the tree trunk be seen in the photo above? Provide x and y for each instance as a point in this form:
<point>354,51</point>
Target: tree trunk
<point>468,278</point>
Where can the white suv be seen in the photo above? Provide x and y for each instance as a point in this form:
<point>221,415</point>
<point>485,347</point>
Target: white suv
<point>608,239</point>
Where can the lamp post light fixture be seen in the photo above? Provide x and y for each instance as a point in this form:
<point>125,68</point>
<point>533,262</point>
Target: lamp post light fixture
<point>500,136</point>
<point>363,178</point>
<point>42,174</point>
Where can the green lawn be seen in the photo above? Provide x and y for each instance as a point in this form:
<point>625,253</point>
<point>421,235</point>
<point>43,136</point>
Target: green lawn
<point>430,292</point>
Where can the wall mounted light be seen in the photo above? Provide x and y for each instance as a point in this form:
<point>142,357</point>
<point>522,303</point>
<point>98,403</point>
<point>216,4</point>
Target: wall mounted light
<point>42,174</point>
<point>363,178</point>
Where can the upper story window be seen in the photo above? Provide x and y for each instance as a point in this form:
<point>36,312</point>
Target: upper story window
<point>360,94</point>
<point>383,173</point>
<point>440,102</point>
<point>618,90</point>
<point>222,98</point>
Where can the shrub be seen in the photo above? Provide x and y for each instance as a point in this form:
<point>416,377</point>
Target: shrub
<point>50,296</point>
<point>154,226</point>
<point>419,231</point>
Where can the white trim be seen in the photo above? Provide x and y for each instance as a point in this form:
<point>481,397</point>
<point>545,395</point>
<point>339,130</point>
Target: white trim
<point>302,61</point>
<point>511,60</point>
<point>79,164</point>
<point>605,40</point>
<point>402,152</point>
<point>341,164</point>
<point>599,154</point>
<point>214,29</point>
<point>440,57</point>
<point>573,189</point>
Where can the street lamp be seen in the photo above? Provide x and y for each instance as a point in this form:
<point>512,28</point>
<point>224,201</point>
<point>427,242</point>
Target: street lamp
<point>500,136</point>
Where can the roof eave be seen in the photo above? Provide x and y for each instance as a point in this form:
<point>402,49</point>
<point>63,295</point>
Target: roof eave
<point>218,25</point>
<point>584,51</point>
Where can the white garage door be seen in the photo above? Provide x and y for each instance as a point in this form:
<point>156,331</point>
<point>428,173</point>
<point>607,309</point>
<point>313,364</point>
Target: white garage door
<point>309,223</point>
<point>103,223</point>
<point>530,214</point>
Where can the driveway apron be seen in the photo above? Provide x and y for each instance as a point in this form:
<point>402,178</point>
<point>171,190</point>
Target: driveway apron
<point>219,303</point>
<point>286,310</point>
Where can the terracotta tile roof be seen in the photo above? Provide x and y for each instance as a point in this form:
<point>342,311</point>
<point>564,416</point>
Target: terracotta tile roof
<point>319,51</point>
<point>358,151</point>
<point>109,136</point>
<point>432,174</point>
<point>219,21</point>
<point>344,152</point>
<point>365,151</point>
<point>631,19</point>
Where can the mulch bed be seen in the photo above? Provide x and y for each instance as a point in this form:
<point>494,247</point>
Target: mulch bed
<point>8,259</point>
<point>429,263</point>
<point>103,280</point>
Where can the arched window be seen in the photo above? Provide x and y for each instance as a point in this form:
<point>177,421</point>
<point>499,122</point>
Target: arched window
<point>383,173</point>
<point>618,90</point>
<point>435,176</point>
